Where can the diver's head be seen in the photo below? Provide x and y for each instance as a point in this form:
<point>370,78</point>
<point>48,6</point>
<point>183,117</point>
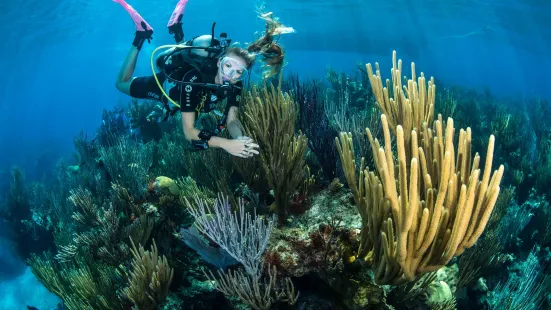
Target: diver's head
<point>234,65</point>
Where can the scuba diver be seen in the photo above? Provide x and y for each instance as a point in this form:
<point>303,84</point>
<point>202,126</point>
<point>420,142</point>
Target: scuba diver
<point>197,74</point>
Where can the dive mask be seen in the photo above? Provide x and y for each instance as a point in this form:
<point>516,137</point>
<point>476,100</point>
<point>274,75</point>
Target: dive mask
<point>232,69</point>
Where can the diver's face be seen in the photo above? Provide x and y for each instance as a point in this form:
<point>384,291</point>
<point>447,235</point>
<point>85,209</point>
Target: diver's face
<point>231,69</point>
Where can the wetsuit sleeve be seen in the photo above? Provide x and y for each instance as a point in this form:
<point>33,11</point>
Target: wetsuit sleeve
<point>191,95</point>
<point>145,87</point>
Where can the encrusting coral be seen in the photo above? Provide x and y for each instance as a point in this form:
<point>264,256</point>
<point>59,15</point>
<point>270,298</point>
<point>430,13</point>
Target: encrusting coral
<point>425,204</point>
<point>166,185</point>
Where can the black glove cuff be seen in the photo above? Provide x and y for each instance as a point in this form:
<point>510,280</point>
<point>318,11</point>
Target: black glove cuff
<point>138,42</point>
<point>140,38</point>
<point>177,31</point>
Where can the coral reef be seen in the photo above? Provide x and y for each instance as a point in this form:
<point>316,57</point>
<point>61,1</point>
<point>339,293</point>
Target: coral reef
<point>422,221</point>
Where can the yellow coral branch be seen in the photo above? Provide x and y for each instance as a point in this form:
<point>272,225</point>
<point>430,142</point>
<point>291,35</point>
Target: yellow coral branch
<point>150,278</point>
<point>436,205</point>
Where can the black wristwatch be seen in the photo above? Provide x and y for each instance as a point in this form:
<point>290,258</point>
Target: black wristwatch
<point>205,135</point>
<point>203,143</point>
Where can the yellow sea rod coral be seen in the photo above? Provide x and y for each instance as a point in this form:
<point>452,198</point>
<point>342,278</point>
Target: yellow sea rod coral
<point>428,201</point>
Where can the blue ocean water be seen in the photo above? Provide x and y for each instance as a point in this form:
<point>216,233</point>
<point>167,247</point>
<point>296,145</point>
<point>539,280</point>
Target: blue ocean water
<point>59,60</point>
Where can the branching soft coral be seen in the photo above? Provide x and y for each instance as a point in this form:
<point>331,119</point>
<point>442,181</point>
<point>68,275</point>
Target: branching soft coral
<point>269,117</point>
<point>81,284</point>
<point>425,204</point>
<point>527,290</point>
<point>128,163</point>
<point>150,278</point>
<point>315,122</point>
<point>211,168</point>
<point>99,228</point>
<point>17,213</point>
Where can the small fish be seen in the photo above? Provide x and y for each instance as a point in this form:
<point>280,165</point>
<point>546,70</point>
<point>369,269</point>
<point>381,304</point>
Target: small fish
<point>31,308</point>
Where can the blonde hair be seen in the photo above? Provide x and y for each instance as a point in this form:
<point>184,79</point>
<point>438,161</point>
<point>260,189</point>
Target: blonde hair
<point>243,53</point>
<point>271,53</point>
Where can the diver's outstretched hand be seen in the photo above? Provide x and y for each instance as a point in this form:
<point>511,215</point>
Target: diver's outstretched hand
<point>175,22</point>
<point>241,147</point>
<point>143,30</point>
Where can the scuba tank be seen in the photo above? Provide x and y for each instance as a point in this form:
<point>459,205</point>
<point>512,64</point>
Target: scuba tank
<point>201,52</point>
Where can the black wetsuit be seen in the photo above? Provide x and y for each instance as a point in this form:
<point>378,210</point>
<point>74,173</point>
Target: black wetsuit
<point>188,96</point>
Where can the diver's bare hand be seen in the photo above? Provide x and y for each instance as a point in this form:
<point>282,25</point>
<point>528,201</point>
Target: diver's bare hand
<point>242,147</point>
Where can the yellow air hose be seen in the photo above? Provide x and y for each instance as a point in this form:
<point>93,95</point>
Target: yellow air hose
<point>155,74</point>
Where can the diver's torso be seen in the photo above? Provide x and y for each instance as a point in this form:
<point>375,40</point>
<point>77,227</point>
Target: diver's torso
<point>191,96</point>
